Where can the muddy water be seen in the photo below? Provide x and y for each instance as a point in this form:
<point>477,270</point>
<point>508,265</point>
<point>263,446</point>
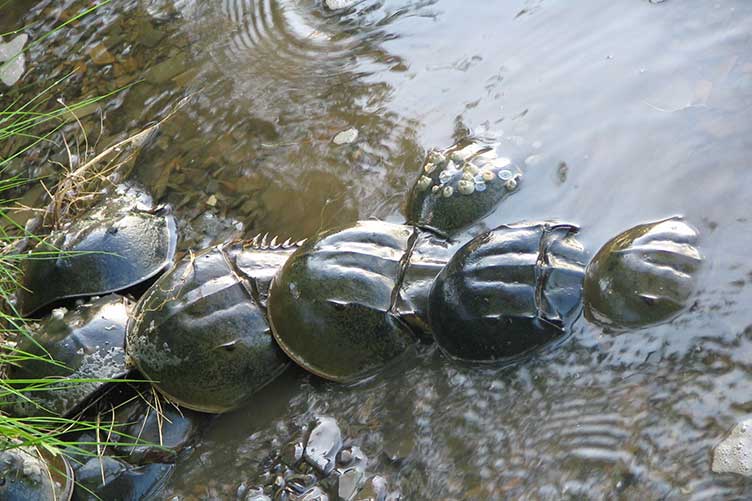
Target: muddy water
<point>618,113</point>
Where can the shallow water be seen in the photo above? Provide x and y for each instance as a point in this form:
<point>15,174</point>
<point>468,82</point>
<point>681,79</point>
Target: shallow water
<point>617,112</point>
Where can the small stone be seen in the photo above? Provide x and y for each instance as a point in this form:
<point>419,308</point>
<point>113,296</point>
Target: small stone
<point>734,453</point>
<point>12,60</point>
<point>346,137</point>
<point>100,55</point>
<point>211,201</point>
<point>323,445</point>
<point>340,4</point>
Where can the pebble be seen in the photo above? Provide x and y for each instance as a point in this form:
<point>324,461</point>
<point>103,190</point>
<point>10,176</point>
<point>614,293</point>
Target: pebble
<point>346,137</point>
<point>14,66</point>
<point>324,443</point>
<point>340,4</point>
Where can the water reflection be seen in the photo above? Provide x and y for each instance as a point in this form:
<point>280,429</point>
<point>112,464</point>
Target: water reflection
<point>276,82</point>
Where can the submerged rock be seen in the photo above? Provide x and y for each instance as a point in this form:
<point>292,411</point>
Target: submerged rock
<point>734,453</point>
<point>328,469</point>
<point>12,59</point>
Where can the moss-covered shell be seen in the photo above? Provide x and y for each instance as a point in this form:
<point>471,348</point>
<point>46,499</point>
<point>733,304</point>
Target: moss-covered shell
<point>507,292</point>
<point>114,246</point>
<point>459,186</point>
<point>84,343</point>
<point>331,307</point>
<point>644,275</point>
<point>200,332</point>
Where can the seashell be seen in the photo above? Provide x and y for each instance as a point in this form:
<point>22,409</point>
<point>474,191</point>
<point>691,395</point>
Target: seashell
<point>436,157</point>
<point>487,175</point>
<point>429,167</point>
<point>445,177</point>
<point>512,184</point>
<point>447,192</point>
<point>424,182</point>
<point>466,187</point>
<point>505,174</point>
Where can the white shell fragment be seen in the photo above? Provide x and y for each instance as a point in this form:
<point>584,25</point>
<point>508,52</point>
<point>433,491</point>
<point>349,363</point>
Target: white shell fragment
<point>12,61</point>
<point>346,136</point>
<point>734,454</point>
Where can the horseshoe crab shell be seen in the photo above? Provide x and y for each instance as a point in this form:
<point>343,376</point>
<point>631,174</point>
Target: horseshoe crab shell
<point>644,275</point>
<point>331,306</point>
<point>27,474</point>
<point>116,245</point>
<point>508,291</point>
<point>200,332</point>
<point>459,186</point>
<point>85,343</point>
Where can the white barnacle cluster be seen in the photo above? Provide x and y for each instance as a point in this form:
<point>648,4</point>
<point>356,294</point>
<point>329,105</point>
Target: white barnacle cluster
<point>466,170</point>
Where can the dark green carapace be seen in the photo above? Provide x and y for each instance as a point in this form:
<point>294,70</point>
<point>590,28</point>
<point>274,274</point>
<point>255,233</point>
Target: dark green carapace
<point>332,306</point>
<point>644,275</point>
<point>200,332</point>
<point>507,292</point>
<point>116,245</point>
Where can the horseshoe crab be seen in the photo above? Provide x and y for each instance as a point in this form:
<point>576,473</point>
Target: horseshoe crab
<point>460,185</point>
<point>116,245</point>
<point>644,275</point>
<point>508,291</point>
<point>26,474</point>
<point>86,343</point>
<point>200,332</point>
<point>331,306</point>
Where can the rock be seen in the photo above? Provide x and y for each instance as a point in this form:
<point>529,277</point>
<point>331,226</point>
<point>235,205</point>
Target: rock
<point>734,454</point>
<point>346,136</point>
<point>12,59</point>
<point>323,445</point>
<point>339,4</point>
<point>100,55</point>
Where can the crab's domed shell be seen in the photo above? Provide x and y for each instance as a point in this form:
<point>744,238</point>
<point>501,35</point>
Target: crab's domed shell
<point>84,343</point>
<point>507,292</point>
<point>332,306</point>
<point>200,332</point>
<point>114,246</point>
<point>644,275</point>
